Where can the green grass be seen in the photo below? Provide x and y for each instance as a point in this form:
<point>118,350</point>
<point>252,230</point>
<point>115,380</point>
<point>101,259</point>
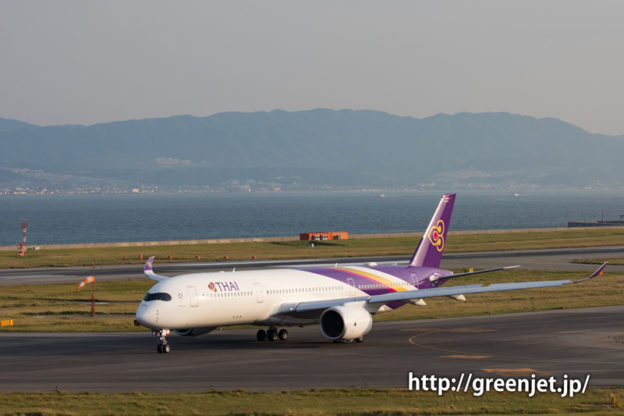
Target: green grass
<point>317,403</point>
<point>60,307</point>
<point>613,260</point>
<point>355,247</point>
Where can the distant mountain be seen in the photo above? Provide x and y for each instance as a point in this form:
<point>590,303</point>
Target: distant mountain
<point>10,125</point>
<point>316,148</point>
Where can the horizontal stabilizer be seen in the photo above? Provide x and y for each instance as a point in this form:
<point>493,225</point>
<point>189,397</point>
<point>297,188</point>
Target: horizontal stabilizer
<point>453,276</point>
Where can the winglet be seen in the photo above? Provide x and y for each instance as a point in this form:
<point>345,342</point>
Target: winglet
<point>149,272</point>
<point>149,264</point>
<point>594,274</point>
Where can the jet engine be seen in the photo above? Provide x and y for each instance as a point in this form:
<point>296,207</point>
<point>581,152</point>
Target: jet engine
<point>346,323</point>
<point>193,332</point>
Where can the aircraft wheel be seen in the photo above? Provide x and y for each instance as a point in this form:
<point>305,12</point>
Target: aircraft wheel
<point>159,348</point>
<point>261,335</point>
<point>272,335</point>
<point>166,348</point>
<point>283,334</point>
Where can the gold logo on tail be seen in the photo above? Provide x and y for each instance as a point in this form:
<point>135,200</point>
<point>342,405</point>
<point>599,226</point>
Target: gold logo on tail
<point>436,235</point>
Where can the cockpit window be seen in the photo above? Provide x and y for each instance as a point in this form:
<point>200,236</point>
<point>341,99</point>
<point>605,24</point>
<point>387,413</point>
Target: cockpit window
<point>157,296</point>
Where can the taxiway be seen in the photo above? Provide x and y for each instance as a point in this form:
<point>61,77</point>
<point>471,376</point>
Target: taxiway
<point>573,342</point>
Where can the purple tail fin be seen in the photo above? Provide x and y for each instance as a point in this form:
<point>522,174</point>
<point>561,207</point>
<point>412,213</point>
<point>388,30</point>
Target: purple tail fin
<point>431,246</point>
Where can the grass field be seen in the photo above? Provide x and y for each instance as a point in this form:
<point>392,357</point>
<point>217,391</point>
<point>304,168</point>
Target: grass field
<point>458,242</point>
<point>60,307</point>
<point>325,402</point>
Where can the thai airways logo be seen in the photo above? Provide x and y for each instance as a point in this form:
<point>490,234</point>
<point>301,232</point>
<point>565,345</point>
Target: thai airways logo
<point>436,235</point>
<point>223,286</point>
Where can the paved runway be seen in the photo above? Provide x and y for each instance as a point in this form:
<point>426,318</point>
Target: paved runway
<point>573,342</point>
<point>553,259</point>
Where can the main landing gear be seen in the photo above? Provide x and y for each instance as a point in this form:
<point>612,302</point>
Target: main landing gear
<point>163,347</point>
<point>272,334</point>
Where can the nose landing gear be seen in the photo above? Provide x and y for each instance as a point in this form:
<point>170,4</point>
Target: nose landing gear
<point>163,347</point>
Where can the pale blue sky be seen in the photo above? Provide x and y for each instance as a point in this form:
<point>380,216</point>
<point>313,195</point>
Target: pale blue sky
<point>96,61</point>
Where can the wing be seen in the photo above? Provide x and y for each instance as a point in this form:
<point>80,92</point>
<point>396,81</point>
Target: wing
<point>372,303</point>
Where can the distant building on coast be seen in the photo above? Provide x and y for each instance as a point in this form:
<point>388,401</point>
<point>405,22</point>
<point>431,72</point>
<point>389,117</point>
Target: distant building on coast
<point>598,223</point>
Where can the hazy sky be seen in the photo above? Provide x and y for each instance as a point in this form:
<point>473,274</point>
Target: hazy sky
<point>95,61</point>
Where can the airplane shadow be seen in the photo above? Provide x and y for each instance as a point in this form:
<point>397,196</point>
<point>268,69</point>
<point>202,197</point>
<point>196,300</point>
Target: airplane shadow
<point>242,342</point>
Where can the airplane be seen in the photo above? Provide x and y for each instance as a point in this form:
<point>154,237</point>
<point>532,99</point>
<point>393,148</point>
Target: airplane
<point>340,299</point>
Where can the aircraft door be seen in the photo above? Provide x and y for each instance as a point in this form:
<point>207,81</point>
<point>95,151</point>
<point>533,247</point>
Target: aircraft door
<point>258,291</point>
<point>193,300</point>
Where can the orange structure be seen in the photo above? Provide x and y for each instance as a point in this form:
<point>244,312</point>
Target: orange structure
<point>21,252</point>
<point>321,236</point>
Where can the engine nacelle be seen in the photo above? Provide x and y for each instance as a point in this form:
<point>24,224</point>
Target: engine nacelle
<point>346,323</point>
<point>193,332</point>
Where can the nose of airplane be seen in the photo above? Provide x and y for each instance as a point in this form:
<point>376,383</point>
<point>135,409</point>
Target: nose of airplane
<point>147,315</point>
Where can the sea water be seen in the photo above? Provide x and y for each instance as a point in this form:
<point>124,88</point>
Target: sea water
<point>63,219</point>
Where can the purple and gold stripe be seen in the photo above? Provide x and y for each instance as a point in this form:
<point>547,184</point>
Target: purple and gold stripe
<point>362,280</point>
<point>373,277</point>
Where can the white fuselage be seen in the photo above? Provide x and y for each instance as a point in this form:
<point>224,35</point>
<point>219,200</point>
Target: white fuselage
<point>245,297</point>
